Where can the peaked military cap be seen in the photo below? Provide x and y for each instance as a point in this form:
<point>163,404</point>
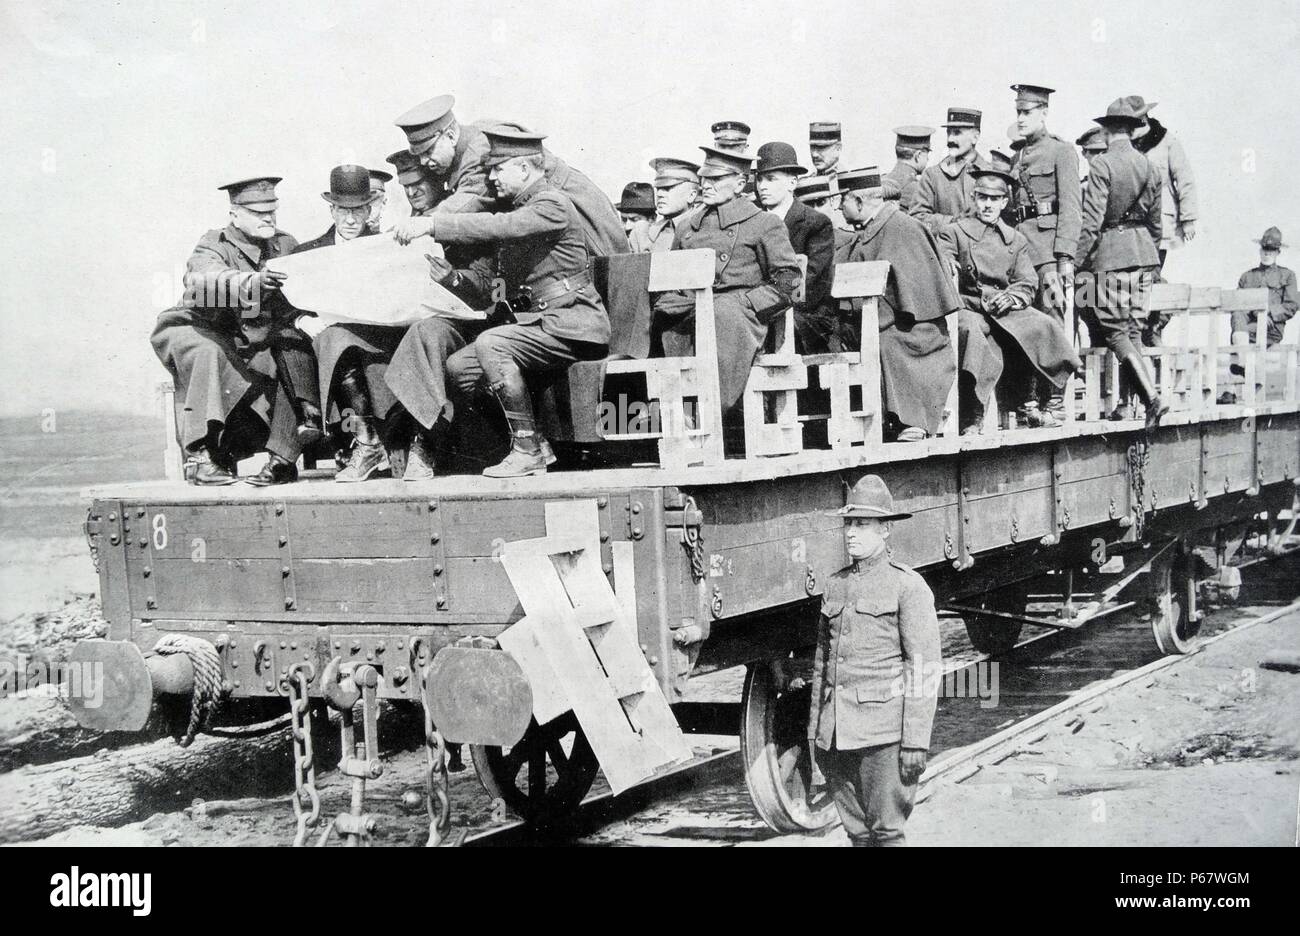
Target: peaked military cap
<point>380,176</point>
<point>992,181</point>
<point>854,180</point>
<point>1032,94</point>
<point>638,198</point>
<point>506,143</point>
<point>730,131</point>
<point>914,135</point>
<point>257,193</point>
<point>1000,160</point>
<point>349,187</point>
<point>870,497</point>
<point>824,132</point>
<point>778,156</point>
<point>1092,141</point>
<point>963,117</point>
<point>1272,239</point>
<point>407,164</point>
<point>669,171</point>
<point>425,122</point>
<point>1121,111</point>
<point>720,162</point>
<point>814,188</point>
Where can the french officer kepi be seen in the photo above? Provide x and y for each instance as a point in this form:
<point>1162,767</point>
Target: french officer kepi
<point>875,675</point>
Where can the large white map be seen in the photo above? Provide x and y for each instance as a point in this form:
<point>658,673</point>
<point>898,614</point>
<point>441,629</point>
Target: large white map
<point>371,279</point>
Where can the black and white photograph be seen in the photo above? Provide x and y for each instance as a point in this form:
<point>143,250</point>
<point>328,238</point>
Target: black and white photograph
<point>491,423</point>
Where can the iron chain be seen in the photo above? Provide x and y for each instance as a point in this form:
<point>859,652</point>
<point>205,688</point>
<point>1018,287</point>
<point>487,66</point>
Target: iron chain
<point>693,542</point>
<point>306,801</point>
<point>1139,456</point>
<point>437,800</point>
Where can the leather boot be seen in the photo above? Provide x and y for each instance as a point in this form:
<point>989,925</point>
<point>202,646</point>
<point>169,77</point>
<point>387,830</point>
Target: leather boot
<point>277,470</point>
<point>311,428</point>
<point>204,469</point>
<point>526,455</point>
<point>1146,391</point>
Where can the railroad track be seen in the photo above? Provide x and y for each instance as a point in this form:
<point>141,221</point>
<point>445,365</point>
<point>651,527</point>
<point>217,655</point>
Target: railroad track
<point>707,793</point>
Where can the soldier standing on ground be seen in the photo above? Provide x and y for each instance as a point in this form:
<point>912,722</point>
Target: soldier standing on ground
<point>876,674</point>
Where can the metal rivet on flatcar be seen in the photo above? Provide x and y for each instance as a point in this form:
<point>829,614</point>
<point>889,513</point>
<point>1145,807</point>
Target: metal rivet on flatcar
<point>112,516</point>
<point>237,684</point>
<point>293,645</point>
<point>284,540</point>
<point>356,646</point>
<point>338,645</point>
<point>270,686</point>
<point>288,604</point>
<point>381,647</point>
<point>434,539</point>
<point>433,505</point>
<point>279,509</point>
<point>284,644</point>
<point>284,570</point>
<point>140,512</point>
<point>653,661</point>
<point>113,539</point>
<point>146,571</point>
<point>602,502</point>
<point>234,664</point>
<point>442,601</point>
<point>604,536</point>
<point>437,570</point>
<point>636,532</point>
<point>636,508</point>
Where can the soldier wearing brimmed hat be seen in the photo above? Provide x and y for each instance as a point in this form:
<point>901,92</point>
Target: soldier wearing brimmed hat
<point>451,152</point>
<point>876,674</point>
<point>912,149</point>
<point>1283,298</point>
<point>812,235</point>
<point>755,276</point>
<point>421,190</point>
<point>551,316</point>
<point>998,325</point>
<point>676,191</point>
<point>1178,205</point>
<point>944,190</point>
<point>637,206</point>
<point>825,144</point>
<point>1117,247</point>
<point>916,360</point>
<point>1046,205</point>
<point>245,377</point>
<point>379,180</point>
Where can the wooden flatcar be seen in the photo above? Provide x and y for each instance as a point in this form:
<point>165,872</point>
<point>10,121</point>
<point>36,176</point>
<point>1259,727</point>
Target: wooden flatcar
<point>553,622</point>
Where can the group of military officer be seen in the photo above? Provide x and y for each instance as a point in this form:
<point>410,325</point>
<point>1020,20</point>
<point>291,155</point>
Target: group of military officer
<point>1008,243</point>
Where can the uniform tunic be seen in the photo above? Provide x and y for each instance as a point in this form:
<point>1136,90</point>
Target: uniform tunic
<point>655,235</point>
<point>905,179</point>
<point>754,278</point>
<point>1283,300</point>
<point>1117,242</point>
<point>916,359</point>
<point>945,192</point>
<point>991,259</point>
<point>874,690</point>
<point>1047,172</point>
<point>218,359</point>
<point>1179,204</point>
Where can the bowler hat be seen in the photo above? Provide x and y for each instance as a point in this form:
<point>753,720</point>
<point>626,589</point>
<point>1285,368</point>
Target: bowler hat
<point>870,497</point>
<point>349,187</point>
<point>1272,239</point>
<point>778,156</point>
<point>1122,111</point>
<point>638,198</point>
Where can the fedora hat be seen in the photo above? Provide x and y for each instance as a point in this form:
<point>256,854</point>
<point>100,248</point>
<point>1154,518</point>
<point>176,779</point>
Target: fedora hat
<point>1122,111</point>
<point>870,497</point>
<point>349,187</point>
<point>638,198</point>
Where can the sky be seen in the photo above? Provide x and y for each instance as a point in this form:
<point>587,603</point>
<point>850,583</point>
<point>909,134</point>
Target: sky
<point>119,120</point>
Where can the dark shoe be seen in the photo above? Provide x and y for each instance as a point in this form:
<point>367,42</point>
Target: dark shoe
<point>364,462</point>
<point>1029,414</point>
<point>203,470</point>
<point>1155,410</point>
<point>548,454</point>
<point>309,431</point>
<point>1227,398</point>
<point>276,471</point>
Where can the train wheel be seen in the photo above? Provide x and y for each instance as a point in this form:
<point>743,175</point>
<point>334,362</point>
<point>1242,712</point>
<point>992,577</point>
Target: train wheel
<point>996,636</point>
<point>544,777</point>
<point>774,747</point>
<point>1174,619</point>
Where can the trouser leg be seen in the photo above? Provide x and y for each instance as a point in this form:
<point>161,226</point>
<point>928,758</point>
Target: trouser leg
<point>840,768</point>
<point>356,398</point>
<point>870,796</point>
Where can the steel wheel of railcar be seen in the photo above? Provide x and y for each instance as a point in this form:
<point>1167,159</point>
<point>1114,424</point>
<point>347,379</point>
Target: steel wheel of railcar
<point>996,636</point>
<point>1174,622</point>
<point>774,747</point>
<point>544,777</point>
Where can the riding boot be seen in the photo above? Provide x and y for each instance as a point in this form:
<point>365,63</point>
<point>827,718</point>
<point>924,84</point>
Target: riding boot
<point>1146,391</point>
<point>367,455</point>
<point>526,456</point>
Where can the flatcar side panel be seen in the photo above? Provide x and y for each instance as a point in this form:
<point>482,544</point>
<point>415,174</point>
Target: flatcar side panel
<point>1279,447</point>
